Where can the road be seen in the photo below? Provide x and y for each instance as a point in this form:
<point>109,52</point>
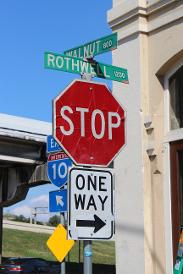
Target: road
<point>28,227</point>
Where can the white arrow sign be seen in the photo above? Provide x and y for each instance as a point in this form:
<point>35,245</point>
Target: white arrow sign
<point>90,204</point>
<point>59,200</point>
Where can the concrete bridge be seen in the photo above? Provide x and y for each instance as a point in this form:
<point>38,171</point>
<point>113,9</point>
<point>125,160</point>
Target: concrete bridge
<point>22,159</point>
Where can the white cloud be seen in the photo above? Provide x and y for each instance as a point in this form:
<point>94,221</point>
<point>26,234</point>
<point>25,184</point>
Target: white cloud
<point>41,200</point>
<point>22,210</point>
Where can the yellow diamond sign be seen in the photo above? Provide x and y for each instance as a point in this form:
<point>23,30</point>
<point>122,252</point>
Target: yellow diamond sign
<point>58,243</point>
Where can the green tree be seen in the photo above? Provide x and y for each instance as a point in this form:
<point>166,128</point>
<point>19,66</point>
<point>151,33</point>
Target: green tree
<point>21,218</point>
<point>54,220</point>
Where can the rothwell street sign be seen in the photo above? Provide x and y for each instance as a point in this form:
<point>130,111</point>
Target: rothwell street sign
<point>57,168</point>
<point>94,48</point>
<point>89,123</point>
<point>77,65</point>
<point>90,213</point>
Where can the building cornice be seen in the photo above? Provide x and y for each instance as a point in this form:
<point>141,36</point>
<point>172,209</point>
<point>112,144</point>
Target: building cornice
<point>143,17</point>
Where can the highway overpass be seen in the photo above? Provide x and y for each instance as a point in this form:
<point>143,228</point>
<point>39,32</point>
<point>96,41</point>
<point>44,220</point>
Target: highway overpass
<point>22,158</point>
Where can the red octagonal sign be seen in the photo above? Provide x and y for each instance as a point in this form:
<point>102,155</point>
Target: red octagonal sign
<point>89,123</point>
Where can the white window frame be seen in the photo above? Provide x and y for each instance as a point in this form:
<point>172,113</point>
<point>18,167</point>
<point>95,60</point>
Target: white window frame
<point>169,136</point>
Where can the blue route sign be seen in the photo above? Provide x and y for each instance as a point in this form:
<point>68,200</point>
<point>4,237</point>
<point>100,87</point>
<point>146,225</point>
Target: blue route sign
<point>52,145</point>
<point>57,171</point>
<point>58,201</point>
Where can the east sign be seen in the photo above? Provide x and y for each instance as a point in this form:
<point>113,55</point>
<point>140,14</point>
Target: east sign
<point>89,123</point>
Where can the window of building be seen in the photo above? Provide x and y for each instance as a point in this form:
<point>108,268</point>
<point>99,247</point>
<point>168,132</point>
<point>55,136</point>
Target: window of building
<point>176,99</point>
<point>175,87</point>
<point>176,152</point>
<point>173,159</point>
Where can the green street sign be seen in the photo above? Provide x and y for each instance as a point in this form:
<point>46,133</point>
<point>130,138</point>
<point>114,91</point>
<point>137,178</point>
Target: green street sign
<point>76,65</point>
<point>94,48</point>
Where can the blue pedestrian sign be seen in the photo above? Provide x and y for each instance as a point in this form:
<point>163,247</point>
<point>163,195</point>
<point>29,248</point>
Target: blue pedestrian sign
<point>52,145</point>
<point>58,201</point>
<point>57,170</point>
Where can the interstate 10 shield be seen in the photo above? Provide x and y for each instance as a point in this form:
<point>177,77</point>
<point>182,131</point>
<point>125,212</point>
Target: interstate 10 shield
<point>57,170</point>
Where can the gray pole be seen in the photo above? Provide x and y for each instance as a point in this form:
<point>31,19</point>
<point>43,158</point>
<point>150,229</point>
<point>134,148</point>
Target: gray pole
<point>87,257</point>
<point>87,245</point>
<point>62,265</point>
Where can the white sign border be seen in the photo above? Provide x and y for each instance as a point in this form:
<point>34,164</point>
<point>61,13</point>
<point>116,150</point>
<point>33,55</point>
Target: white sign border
<point>54,123</point>
<point>112,204</point>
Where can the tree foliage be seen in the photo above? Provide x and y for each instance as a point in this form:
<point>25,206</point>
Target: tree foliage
<point>54,220</point>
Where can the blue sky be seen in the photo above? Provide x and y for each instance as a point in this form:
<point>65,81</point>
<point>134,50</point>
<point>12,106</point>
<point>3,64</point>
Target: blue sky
<point>28,29</point>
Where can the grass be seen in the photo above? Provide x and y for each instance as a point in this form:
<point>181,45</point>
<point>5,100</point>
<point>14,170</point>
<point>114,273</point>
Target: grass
<point>29,244</point>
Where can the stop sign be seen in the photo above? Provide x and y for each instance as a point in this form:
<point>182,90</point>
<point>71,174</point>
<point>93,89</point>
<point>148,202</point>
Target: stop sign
<point>89,123</point>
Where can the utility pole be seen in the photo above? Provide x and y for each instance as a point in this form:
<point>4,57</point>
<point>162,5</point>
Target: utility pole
<point>35,211</point>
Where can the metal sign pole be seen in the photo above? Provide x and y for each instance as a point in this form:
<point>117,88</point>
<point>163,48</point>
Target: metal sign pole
<point>87,258</point>
<point>62,264</point>
<point>87,245</point>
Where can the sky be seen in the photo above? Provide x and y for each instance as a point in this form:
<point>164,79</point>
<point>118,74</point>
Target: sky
<point>27,30</point>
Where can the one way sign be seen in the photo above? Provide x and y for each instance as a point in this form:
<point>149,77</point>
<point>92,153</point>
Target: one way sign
<point>90,213</point>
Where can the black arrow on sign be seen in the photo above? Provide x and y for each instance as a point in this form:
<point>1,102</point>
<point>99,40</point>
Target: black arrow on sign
<point>97,223</point>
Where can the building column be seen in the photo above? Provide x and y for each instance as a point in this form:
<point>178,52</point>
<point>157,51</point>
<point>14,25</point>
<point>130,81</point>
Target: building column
<point>133,199</point>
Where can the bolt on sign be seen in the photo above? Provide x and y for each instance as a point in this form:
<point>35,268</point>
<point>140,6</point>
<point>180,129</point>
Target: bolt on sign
<point>90,211</point>
<point>89,123</point>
